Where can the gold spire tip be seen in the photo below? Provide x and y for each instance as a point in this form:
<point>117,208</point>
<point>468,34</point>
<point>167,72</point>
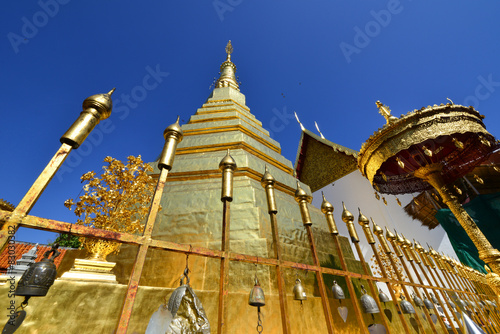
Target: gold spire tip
<point>111,91</point>
<point>229,48</point>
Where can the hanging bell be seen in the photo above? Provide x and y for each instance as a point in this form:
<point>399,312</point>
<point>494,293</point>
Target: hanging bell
<point>256,295</point>
<point>40,276</point>
<point>298,291</point>
<point>434,299</point>
<point>337,291</point>
<point>417,300</point>
<point>428,304</point>
<point>368,304</point>
<point>406,306</point>
<point>452,304</point>
<point>383,297</point>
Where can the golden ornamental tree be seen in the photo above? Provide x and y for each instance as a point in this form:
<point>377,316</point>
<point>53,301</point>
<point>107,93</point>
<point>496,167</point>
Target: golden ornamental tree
<point>117,200</point>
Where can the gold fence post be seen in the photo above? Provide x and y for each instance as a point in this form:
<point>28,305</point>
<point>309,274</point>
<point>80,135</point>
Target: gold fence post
<point>227,166</point>
<point>95,108</point>
<point>327,210</point>
<point>173,136</point>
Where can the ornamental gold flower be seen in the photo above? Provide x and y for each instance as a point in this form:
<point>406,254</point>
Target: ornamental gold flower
<point>118,199</point>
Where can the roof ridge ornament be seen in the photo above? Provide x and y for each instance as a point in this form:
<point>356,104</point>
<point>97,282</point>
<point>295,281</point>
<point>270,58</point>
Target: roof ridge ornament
<point>298,121</point>
<point>386,112</point>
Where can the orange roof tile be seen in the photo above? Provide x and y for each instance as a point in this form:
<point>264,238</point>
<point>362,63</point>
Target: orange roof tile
<point>23,247</point>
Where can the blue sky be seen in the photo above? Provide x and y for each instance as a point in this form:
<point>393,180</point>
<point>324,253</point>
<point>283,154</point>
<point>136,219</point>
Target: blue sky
<point>328,60</point>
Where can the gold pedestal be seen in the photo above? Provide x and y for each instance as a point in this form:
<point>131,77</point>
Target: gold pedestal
<point>490,255</point>
<point>91,270</point>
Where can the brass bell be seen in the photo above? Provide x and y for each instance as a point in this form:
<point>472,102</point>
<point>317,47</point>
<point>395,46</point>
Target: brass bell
<point>337,291</point>
<point>256,295</point>
<point>417,300</point>
<point>406,306</point>
<point>428,304</point>
<point>368,304</point>
<point>39,277</point>
<point>298,291</point>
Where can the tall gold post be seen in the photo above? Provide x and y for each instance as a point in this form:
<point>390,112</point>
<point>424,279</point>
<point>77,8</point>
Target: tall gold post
<point>385,247</point>
<point>424,255</point>
<point>227,166</point>
<point>444,271</point>
<point>365,224</point>
<point>327,210</point>
<point>348,218</point>
<point>303,199</point>
<point>393,239</point>
<point>416,258</point>
<point>268,182</point>
<point>95,108</point>
<point>490,255</point>
<point>173,136</point>
<point>450,268</point>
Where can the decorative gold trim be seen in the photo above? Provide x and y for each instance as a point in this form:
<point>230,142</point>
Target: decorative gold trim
<point>235,146</point>
<point>226,100</point>
<point>227,128</point>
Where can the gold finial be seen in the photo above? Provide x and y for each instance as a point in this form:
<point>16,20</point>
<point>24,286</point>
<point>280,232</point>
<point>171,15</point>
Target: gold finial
<point>228,71</point>
<point>389,235</point>
<point>327,210</point>
<point>386,112</point>
<point>267,183</point>
<point>326,207</point>
<point>227,165</point>
<point>173,135</point>
<point>348,218</point>
<point>362,220</point>
<point>229,49</point>
<point>478,179</point>
<point>398,201</point>
<point>346,215</point>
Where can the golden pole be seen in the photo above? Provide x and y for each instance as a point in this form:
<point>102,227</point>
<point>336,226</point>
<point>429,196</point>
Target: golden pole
<point>393,239</point>
<point>348,218</point>
<point>95,108</point>
<point>267,183</point>
<point>432,174</point>
<point>424,254</point>
<point>227,166</point>
<point>327,210</point>
<point>173,135</point>
<point>365,224</point>
<point>303,199</point>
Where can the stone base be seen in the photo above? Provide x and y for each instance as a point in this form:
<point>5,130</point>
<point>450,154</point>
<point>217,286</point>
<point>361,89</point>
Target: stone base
<point>91,270</point>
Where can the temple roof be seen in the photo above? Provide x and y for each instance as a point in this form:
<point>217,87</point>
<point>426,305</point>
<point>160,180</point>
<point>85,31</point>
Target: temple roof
<point>320,162</point>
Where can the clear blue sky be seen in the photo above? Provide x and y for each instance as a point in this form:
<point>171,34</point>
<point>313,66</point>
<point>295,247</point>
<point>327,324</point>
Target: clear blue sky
<point>328,60</point>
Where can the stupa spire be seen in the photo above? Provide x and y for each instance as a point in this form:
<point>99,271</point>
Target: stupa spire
<point>227,71</point>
